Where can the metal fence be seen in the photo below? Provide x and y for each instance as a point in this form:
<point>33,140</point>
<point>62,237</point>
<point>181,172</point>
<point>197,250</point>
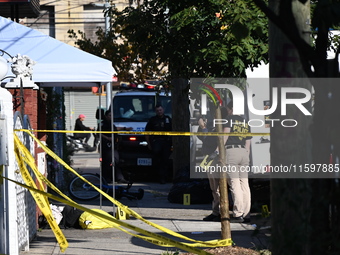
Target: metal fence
<point>26,206</point>
<point>18,224</point>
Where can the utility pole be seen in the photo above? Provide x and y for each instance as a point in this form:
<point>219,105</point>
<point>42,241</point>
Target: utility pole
<point>107,30</point>
<point>108,88</point>
<point>108,103</point>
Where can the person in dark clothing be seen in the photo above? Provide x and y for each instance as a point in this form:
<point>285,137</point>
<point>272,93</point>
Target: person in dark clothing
<point>106,150</point>
<point>79,126</point>
<point>160,145</point>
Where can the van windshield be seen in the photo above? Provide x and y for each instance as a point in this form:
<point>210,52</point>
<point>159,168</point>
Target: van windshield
<point>138,108</point>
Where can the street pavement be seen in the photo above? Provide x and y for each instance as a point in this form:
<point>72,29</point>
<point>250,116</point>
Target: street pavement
<point>154,207</point>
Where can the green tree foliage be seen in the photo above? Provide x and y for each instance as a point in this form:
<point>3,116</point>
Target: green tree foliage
<point>205,38</point>
<point>194,38</point>
<point>198,38</point>
<point>124,57</point>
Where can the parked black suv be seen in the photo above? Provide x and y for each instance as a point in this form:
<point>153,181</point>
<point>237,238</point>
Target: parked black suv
<point>134,109</point>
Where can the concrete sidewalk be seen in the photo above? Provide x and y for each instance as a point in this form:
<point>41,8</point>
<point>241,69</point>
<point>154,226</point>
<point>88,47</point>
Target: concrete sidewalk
<point>183,219</point>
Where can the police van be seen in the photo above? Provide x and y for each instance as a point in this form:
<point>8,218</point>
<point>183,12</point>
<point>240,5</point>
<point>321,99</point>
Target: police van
<point>133,108</point>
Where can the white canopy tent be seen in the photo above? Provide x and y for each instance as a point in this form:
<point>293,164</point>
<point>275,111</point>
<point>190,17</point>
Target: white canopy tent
<point>57,64</point>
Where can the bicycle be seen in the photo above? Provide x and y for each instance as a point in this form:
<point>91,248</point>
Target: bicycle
<point>81,190</point>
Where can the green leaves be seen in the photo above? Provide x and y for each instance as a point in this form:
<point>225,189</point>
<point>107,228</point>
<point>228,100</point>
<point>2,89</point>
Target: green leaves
<point>240,31</point>
<point>193,38</point>
<point>227,36</point>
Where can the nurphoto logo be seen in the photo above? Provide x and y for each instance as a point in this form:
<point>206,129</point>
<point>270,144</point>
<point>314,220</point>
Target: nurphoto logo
<point>238,100</point>
<point>244,99</point>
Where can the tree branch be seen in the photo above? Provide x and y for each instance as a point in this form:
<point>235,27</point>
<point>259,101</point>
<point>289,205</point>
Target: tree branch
<point>285,21</point>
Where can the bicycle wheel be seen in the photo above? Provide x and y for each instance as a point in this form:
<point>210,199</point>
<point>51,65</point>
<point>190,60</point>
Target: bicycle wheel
<point>83,191</point>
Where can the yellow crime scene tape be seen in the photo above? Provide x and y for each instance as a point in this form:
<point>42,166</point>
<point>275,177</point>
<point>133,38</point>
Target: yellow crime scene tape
<point>41,200</point>
<point>109,218</point>
<point>151,237</point>
<point>127,210</point>
<point>172,133</point>
<point>39,195</point>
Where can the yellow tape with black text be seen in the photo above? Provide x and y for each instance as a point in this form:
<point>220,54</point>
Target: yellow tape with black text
<point>24,157</point>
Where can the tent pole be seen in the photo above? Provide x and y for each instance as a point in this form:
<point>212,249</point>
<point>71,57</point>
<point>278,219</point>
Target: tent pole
<point>110,107</point>
<point>100,146</point>
<point>108,94</point>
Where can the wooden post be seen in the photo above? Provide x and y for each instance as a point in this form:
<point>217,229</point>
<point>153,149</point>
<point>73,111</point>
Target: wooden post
<point>223,187</point>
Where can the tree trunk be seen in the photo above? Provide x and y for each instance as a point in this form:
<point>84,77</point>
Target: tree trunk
<point>325,215</point>
<point>290,146</point>
<point>180,123</point>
